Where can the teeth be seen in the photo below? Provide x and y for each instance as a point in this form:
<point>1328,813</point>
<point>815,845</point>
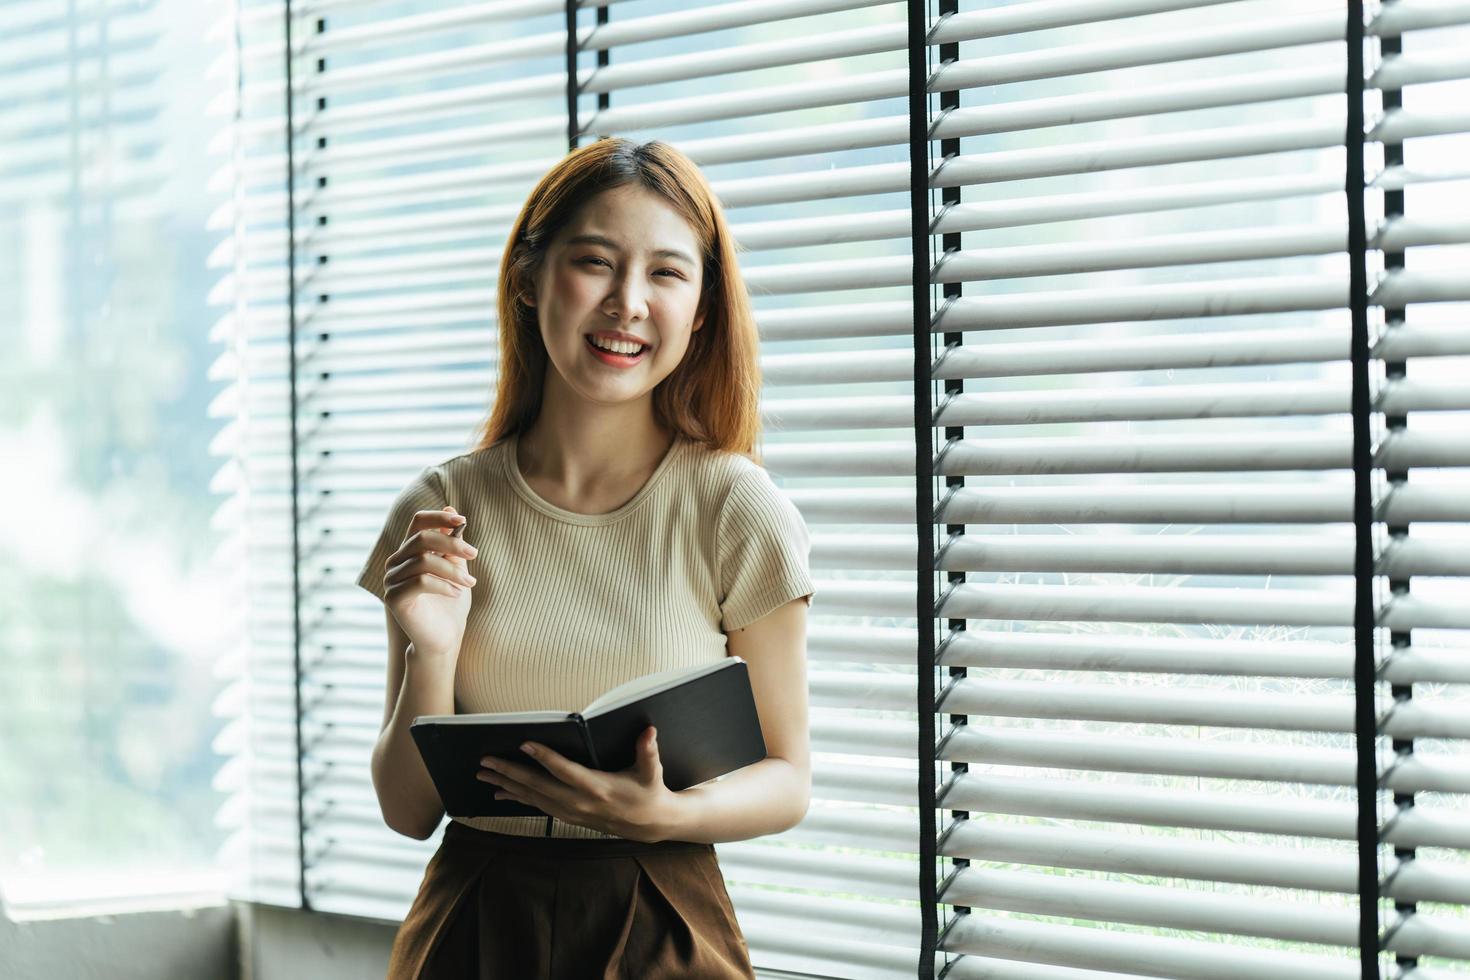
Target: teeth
<point>617,346</point>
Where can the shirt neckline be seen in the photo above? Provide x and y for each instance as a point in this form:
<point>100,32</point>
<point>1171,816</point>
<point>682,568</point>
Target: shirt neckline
<point>523,489</point>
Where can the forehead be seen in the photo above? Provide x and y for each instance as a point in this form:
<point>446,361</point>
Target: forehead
<point>636,218</point>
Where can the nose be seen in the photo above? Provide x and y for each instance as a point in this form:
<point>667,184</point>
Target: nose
<point>628,300</point>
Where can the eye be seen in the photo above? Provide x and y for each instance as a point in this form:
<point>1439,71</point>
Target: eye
<point>673,271</point>
<point>590,258</point>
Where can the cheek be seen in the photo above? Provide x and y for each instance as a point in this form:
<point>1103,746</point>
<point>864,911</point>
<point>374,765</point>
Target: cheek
<point>672,355</point>
<point>679,308</point>
<point>569,290</point>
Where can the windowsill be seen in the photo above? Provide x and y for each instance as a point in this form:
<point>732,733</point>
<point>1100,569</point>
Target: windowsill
<point>77,895</point>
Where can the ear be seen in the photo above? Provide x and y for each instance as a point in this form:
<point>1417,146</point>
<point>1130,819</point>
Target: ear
<point>526,288</point>
<point>698,322</point>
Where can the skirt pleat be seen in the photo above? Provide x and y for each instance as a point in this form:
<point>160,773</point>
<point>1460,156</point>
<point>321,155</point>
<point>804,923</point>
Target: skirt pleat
<point>504,907</point>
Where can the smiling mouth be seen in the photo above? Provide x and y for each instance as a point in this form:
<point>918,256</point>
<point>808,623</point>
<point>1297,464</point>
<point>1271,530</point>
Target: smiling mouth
<point>613,357</point>
<point>603,350</point>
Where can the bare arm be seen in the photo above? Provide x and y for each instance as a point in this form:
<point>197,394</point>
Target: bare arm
<point>417,685</point>
<point>772,795</point>
<point>426,597</point>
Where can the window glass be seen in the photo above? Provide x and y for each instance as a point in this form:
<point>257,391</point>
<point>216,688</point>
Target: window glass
<point>113,608</point>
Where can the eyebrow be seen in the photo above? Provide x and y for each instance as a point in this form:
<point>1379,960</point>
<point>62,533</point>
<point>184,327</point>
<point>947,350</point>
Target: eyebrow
<point>606,242</point>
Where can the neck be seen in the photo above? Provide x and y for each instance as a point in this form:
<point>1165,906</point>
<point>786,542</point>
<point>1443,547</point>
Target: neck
<point>597,447</point>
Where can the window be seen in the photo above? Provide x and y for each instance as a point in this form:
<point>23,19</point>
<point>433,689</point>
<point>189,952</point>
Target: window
<point>112,610</point>
<point>1142,761</point>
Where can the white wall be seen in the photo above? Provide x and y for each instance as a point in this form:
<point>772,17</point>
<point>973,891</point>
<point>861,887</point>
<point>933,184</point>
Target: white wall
<point>192,944</point>
<point>286,944</point>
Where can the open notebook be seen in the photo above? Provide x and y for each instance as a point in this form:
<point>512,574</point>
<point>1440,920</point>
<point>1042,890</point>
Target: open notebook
<point>705,716</point>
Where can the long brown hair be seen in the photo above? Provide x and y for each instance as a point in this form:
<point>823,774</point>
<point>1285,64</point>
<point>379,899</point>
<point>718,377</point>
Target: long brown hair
<point>713,396</point>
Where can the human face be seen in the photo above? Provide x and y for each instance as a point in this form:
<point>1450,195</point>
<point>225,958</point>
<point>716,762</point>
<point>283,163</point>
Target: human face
<point>628,265</point>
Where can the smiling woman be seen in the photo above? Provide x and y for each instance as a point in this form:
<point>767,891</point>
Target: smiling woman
<point>615,269</point>
<point>613,521</point>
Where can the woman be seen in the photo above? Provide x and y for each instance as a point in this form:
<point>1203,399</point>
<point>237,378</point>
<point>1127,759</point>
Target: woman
<point>610,522</point>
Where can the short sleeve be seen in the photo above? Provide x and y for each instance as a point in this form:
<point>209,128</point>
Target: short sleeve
<point>426,492</point>
<point>763,549</point>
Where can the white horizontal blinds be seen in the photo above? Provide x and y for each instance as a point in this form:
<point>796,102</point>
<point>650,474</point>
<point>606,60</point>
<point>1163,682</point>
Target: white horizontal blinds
<point>797,113</point>
<point>436,123</point>
<point>419,132</point>
<point>1157,774</point>
<point>1133,730</point>
<point>1419,180</point>
<point>254,477</point>
<point>80,84</point>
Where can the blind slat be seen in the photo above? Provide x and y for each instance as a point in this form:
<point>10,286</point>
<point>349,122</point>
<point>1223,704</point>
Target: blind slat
<point>1136,952</point>
<point>1076,674</point>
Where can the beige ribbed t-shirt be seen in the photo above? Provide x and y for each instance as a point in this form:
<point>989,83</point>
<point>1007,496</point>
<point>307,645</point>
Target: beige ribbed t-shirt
<point>568,605</point>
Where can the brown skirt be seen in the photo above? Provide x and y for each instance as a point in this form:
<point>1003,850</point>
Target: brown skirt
<point>504,907</point>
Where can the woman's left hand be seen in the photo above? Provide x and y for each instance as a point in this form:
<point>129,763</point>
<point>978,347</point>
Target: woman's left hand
<point>632,803</point>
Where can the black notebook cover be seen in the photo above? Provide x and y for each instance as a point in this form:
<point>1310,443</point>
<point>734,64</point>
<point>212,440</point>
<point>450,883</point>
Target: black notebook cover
<point>707,727</point>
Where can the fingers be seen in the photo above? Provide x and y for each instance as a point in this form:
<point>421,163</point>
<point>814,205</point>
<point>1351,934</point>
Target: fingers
<point>437,542</point>
<point>422,583</point>
<point>428,565</point>
<point>436,520</point>
<point>534,785</point>
<point>434,530</point>
<point>430,559</point>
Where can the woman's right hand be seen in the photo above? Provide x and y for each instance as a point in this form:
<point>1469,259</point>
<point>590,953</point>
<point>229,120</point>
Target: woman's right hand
<point>427,585</point>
